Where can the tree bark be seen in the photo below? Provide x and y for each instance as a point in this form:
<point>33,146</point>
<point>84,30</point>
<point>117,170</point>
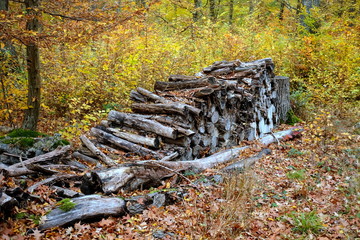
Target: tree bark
<point>33,68</point>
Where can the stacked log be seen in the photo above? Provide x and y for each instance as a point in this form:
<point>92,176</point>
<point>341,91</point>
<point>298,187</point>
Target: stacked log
<point>188,117</point>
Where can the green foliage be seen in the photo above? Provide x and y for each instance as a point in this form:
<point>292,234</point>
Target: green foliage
<point>21,142</point>
<point>66,204</point>
<point>35,219</point>
<point>301,105</point>
<point>292,118</point>
<point>294,152</point>
<point>308,222</point>
<point>296,175</point>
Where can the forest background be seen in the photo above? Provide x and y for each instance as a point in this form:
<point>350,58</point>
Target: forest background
<point>92,54</point>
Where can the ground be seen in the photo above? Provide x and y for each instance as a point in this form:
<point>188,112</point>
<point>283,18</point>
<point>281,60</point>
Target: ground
<point>308,188</point>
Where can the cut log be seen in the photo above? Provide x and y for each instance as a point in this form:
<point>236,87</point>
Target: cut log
<point>86,207</point>
<point>245,163</point>
<point>123,144</point>
<point>169,86</point>
<point>7,203</point>
<point>84,158</point>
<point>135,138</point>
<point>281,97</point>
<point>53,155</point>
<point>159,108</point>
<point>149,173</point>
<point>53,180</point>
<point>167,105</point>
<point>130,120</point>
<point>108,161</point>
<point>66,193</point>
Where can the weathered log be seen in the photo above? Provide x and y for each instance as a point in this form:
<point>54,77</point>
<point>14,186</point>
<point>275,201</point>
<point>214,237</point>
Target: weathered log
<point>179,78</point>
<point>159,108</point>
<point>281,97</point>
<point>142,123</point>
<point>122,143</point>
<point>66,193</point>
<point>135,138</point>
<point>247,162</point>
<point>282,135</point>
<point>86,207</point>
<point>167,105</point>
<point>149,173</point>
<point>84,158</point>
<point>169,86</point>
<point>7,202</point>
<point>108,161</point>
<point>137,97</point>
<point>52,180</point>
<point>53,155</point>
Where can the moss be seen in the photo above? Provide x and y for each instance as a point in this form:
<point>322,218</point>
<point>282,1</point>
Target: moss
<point>61,142</point>
<point>21,142</point>
<point>66,204</point>
<point>24,133</point>
<point>292,118</point>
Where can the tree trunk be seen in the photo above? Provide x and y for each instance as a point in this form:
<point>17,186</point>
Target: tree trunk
<point>281,12</point>
<point>251,6</point>
<point>231,11</point>
<point>196,13</point>
<point>33,67</point>
<point>4,5</point>
<point>212,10</point>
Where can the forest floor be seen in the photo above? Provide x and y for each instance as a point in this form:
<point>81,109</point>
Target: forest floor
<point>308,188</point>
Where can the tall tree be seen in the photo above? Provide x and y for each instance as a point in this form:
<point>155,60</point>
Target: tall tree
<point>4,5</point>
<point>212,7</point>
<point>196,13</point>
<point>231,12</point>
<point>33,68</point>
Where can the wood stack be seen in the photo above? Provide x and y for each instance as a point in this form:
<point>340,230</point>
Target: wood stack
<point>191,116</point>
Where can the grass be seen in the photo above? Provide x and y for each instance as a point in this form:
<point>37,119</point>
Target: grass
<point>308,222</point>
<point>296,175</point>
<point>229,220</point>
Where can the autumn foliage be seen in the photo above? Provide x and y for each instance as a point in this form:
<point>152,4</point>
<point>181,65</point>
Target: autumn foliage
<point>92,56</point>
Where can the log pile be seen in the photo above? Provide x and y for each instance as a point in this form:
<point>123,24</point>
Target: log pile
<point>191,116</point>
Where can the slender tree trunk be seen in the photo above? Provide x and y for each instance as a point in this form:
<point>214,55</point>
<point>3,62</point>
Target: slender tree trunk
<point>281,12</point>
<point>33,68</point>
<point>4,5</point>
<point>212,10</point>
<point>231,12</point>
<point>251,6</point>
<point>196,13</point>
